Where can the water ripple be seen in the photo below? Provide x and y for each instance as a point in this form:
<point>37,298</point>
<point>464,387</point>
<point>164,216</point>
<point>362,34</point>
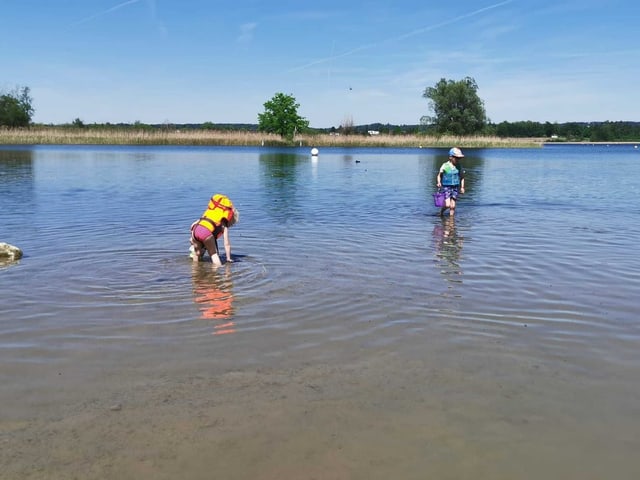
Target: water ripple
<point>327,253</point>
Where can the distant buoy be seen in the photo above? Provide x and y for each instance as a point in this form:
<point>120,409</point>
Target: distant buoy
<point>314,151</point>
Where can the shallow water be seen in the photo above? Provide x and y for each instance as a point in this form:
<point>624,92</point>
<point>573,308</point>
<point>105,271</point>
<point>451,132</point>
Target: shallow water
<point>356,335</point>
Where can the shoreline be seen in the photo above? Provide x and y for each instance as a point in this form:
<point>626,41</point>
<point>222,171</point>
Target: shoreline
<point>594,143</point>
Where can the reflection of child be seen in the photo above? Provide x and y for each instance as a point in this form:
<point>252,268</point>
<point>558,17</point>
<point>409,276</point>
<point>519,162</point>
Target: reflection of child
<point>214,297</point>
<point>216,220</point>
<point>448,244</point>
<point>451,179</point>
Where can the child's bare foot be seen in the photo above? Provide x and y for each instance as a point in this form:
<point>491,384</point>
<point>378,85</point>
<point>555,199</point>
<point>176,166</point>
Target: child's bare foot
<point>215,260</point>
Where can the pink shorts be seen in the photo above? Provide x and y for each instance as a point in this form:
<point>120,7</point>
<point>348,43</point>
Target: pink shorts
<point>200,233</point>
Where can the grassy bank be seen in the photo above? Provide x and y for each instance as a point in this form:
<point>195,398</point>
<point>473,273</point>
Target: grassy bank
<point>91,136</point>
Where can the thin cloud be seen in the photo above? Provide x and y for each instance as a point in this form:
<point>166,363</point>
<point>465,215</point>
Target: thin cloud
<point>155,18</point>
<point>246,32</point>
<point>105,12</point>
<point>400,37</point>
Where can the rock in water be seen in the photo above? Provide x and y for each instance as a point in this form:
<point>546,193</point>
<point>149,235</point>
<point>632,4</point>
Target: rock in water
<point>9,253</point>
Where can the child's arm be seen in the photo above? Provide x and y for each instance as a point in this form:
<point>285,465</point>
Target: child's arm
<point>227,244</point>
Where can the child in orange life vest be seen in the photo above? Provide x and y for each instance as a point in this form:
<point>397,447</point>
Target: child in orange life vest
<point>216,220</point>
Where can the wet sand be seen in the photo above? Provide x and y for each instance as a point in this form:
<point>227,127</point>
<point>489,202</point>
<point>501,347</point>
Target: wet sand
<point>389,417</point>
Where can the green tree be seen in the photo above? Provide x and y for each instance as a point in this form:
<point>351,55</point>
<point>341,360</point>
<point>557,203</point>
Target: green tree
<point>280,116</point>
<point>457,108</point>
<point>16,109</point>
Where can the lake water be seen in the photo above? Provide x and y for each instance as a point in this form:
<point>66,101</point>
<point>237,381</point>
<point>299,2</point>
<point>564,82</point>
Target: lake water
<point>357,335</point>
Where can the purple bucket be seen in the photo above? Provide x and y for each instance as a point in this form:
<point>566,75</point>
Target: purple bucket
<point>439,199</point>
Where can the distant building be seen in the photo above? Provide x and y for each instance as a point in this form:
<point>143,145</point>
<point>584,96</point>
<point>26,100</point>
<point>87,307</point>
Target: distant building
<point>373,132</point>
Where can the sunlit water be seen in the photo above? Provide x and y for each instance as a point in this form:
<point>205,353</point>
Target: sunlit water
<point>503,343</point>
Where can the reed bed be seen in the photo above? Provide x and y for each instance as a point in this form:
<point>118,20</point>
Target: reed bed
<point>129,136</point>
<point>420,141</point>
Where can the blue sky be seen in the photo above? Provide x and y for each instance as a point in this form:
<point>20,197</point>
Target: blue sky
<point>157,61</point>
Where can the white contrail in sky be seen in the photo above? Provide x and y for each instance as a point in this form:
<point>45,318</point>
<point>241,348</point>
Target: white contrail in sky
<point>400,37</point>
<point>109,10</point>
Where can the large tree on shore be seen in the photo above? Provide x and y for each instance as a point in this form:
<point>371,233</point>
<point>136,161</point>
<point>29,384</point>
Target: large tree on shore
<point>16,108</point>
<point>280,116</point>
<point>457,108</point>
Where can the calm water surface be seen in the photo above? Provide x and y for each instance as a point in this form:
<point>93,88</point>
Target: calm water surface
<point>356,335</point>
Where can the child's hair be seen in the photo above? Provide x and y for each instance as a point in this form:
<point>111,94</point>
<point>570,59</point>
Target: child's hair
<point>236,217</point>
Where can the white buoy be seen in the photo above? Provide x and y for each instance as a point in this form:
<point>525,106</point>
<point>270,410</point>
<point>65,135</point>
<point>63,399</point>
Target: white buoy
<point>314,152</point>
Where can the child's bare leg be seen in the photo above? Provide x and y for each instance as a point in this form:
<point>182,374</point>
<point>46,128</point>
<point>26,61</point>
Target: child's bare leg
<point>198,253</point>
<point>197,250</point>
<point>212,247</point>
<point>447,204</point>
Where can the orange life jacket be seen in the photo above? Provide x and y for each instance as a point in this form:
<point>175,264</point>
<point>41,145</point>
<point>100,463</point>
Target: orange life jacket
<point>219,208</point>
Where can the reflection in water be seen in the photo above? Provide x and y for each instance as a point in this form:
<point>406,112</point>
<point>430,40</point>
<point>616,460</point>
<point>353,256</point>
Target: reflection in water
<point>448,247</point>
<point>16,163</point>
<point>16,174</point>
<point>279,172</point>
<point>17,198</point>
<point>212,292</point>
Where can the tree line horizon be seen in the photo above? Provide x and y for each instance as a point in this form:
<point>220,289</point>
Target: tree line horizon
<point>606,131</point>
<point>457,110</point>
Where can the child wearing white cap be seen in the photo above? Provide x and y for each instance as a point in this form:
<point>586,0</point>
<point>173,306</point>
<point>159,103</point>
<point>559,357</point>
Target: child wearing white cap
<point>451,180</point>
